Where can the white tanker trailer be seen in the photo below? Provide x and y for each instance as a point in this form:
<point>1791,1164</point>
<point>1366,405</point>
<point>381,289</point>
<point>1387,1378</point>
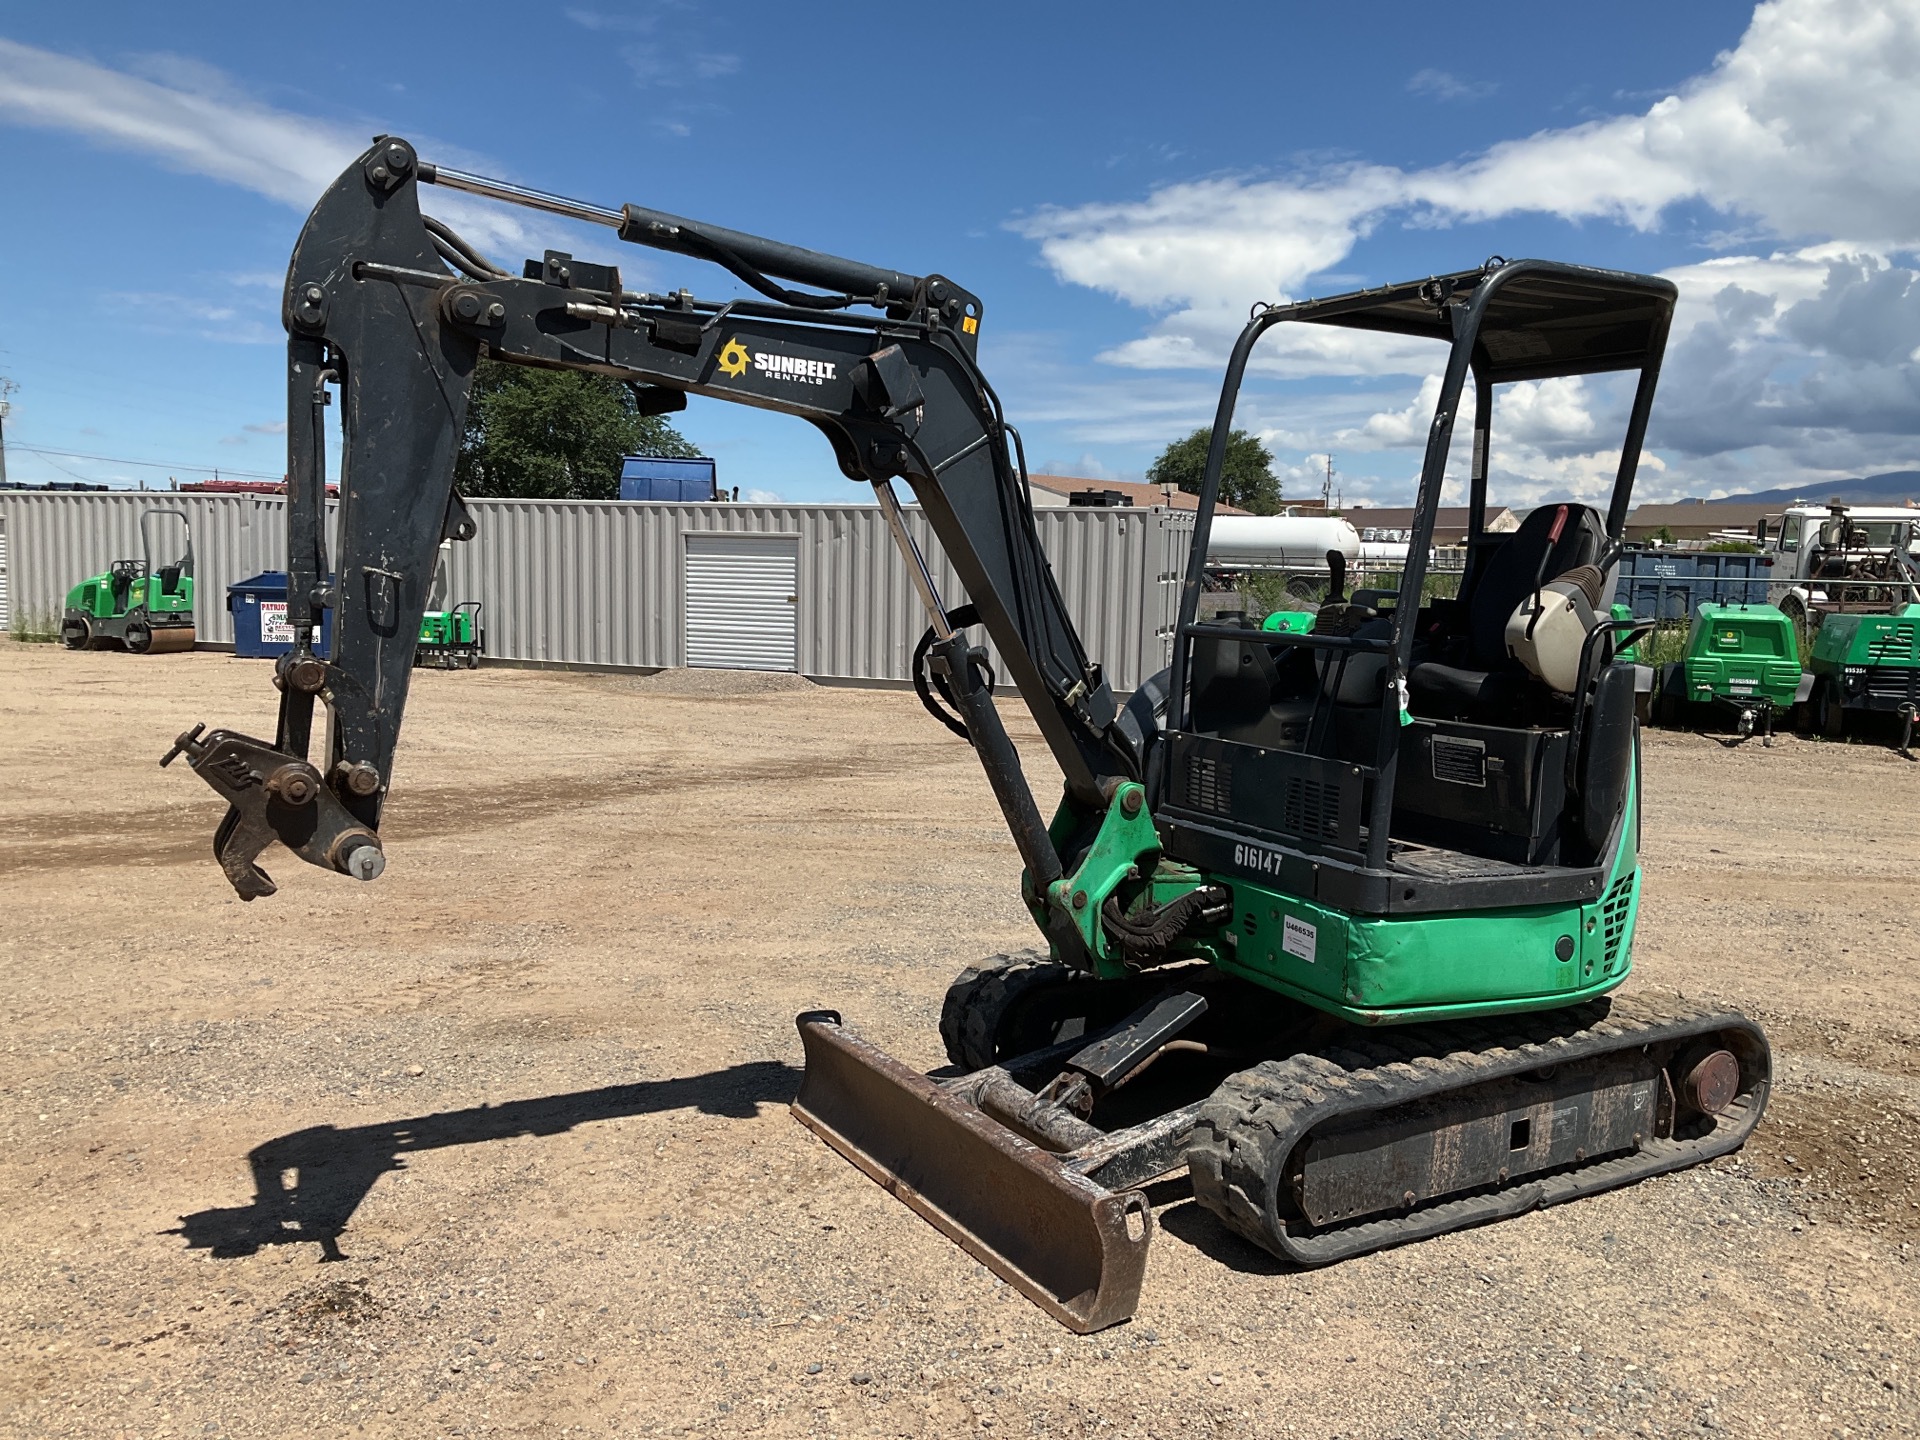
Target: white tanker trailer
<point>1296,544</point>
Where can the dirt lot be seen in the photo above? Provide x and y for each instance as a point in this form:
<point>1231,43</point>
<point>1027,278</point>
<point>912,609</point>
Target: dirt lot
<point>499,1144</point>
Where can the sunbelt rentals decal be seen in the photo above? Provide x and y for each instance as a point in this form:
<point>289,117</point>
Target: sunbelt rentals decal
<point>735,359</point>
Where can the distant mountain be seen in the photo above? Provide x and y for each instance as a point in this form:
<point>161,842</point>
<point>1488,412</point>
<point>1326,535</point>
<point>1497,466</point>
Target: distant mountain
<point>1895,487</point>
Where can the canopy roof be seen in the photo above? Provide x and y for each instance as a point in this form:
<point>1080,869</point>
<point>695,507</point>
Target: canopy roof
<point>1540,319</point>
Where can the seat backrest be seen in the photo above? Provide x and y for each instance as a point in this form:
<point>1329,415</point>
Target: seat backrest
<point>1552,540</point>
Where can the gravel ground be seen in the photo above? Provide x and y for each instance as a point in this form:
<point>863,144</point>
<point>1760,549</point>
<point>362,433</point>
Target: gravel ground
<point>499,1145</point>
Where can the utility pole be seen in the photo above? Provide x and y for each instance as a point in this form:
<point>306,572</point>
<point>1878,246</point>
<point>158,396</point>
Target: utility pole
<point>7,387</point>
<point>1326,486</point>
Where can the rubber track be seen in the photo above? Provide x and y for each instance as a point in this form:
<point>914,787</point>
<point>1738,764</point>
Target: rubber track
<point>978,1001</point>
<point>1251,1124</point>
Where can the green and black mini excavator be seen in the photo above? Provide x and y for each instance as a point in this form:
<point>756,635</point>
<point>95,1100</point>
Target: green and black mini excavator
<point>1331,919</point>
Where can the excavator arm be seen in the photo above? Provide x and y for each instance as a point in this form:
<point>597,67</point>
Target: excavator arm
<point>393,311</point>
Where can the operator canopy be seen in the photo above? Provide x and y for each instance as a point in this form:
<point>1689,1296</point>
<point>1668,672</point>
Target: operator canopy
<point>1545,321</point>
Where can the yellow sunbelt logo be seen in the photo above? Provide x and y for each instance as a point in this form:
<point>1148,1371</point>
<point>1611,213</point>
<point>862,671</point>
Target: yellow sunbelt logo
<point>735,359</point>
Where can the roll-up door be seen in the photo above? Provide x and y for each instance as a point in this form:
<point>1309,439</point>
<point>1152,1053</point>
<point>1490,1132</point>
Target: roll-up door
<point>742,601</point>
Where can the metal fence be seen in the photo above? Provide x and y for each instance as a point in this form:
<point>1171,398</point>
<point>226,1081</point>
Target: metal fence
<point>602,582</point>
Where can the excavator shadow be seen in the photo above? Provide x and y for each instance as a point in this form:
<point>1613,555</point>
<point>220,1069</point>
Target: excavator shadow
<point>1178,1215</point>
<point>308,1183</point>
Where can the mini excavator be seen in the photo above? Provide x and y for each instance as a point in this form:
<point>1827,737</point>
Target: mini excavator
<point>1331,917</point>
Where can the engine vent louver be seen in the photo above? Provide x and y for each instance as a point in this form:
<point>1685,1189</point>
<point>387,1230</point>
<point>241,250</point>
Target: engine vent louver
<point>1312,808</point>
<point>1209,784</point>
<point>1613,917</point>
<point>1895,643</point>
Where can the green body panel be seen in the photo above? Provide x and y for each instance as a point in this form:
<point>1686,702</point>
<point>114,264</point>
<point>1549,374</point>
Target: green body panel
<point>97,599</point>
<point>1741,652</point>
<point>1631,653</point>
<point>1891,641</point>
<point>1369,970</point>
<point>1383,971</point>
<point>1289,622</point>
<point>446,627</point>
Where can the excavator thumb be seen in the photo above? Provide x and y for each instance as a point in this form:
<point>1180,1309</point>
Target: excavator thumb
<point>1076,1249</point>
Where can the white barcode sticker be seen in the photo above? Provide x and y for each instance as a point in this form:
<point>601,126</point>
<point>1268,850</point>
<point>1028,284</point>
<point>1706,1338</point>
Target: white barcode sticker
<point>1297,937</point>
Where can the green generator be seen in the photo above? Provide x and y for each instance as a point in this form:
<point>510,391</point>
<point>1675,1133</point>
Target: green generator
<point>1742,661</point>
<point>133,603</point>
<point>1629,653</point>
<point>1866,664</point>
<point>451,639</point>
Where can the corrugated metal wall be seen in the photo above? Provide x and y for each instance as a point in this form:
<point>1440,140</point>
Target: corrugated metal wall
<point>60,538</point>
<point>601,583</point>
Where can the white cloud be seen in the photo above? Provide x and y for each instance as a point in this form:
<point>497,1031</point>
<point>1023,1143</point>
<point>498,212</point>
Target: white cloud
<point>1444,85</point>
<point>190,118</point>
<point>193,118</point>
<point>1766,135</point>
<point>1799,357</point>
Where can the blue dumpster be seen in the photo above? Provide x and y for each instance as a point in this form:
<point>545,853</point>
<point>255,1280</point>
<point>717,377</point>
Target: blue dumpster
<point>260,629</point>
<point>1671,585</point>
<point>668,478</point>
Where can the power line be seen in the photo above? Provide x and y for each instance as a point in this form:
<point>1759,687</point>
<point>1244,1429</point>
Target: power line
<point>146,464</point>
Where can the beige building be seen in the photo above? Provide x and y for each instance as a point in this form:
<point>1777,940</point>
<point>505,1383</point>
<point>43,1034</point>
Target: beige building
<point>1052,490</point>
<point>1697,519</point>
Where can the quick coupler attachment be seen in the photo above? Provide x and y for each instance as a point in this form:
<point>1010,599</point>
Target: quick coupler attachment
<point>271,796</point>
<point>1073,1247</point>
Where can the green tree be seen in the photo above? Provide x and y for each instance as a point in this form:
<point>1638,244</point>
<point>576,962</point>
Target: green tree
<point>1246,480</point>
<point>554,434</point>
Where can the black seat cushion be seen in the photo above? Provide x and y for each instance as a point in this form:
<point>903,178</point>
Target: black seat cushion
<point>1453,692</point>
<point>1551,541</point>
<point>1473,677</point>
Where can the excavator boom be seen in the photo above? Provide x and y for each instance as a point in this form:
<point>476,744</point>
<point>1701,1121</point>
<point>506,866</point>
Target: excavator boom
<point>393,311</point>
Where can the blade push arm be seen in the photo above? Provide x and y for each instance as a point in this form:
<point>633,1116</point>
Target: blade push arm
<point>373,312</point>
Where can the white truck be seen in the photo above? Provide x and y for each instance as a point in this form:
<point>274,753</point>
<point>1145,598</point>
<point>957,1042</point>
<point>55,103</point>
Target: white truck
<point>1839,557</point>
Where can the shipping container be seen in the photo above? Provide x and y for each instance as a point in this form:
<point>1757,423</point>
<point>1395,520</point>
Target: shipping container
<point>608,583</point>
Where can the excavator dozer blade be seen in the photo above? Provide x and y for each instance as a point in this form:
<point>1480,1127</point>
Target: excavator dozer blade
<point>1078,1251</point>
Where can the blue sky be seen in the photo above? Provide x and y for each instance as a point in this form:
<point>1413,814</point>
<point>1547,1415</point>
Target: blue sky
<point>1118,182</point>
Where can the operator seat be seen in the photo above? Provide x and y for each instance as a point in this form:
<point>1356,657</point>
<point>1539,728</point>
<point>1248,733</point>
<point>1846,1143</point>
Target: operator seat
<point>1470,675</point>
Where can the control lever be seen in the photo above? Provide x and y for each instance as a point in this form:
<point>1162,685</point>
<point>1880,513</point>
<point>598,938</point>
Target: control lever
<point>270,796</point>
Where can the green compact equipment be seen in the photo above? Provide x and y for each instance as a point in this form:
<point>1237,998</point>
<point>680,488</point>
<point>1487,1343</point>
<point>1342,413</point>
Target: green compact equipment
<point>1867,664</point>
<point>1629,653</point>
<point>1288,622</point>
<point>451,639</point>
<point>1333,918</point>
<point>147,609</point>
<point>1742,662</point>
